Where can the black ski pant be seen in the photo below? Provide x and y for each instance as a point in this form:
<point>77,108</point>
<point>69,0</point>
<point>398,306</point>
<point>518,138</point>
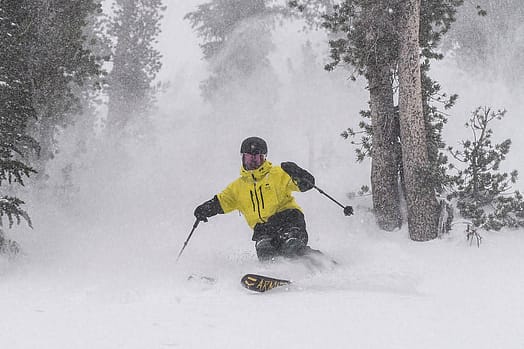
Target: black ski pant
<point>284,234</point>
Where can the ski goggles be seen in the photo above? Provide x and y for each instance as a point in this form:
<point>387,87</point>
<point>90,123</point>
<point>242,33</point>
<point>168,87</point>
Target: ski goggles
<point>252,161</point>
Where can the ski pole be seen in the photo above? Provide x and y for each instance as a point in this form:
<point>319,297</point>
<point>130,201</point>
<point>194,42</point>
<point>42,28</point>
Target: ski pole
<point>187,240</point>
<point>348,210</point>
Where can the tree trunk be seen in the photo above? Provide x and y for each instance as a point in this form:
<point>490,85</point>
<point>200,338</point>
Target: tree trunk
<point>386,149</point>
<point>422,205</point>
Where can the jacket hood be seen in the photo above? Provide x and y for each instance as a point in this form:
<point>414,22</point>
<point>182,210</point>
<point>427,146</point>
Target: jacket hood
<point>258,173</point>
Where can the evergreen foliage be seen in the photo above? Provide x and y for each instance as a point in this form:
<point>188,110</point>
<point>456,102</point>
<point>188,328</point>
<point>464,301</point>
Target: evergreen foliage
<point>368,35</point>
<point>16,109</point>
<point>435,103</point>
<point>216,21</point>
<point>60,62</point>
<point>484,29</point>
<point>368,31</point>
<point>44,62</point>
<point>16,104</point>
<point>235,50</point>
<point>366,38</point>
<point>136,61</point>
<point>10,208</point>
<point>480,189</point>
<point>364,146</point>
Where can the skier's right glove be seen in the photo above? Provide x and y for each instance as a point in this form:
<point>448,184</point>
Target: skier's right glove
<point>208,209</point>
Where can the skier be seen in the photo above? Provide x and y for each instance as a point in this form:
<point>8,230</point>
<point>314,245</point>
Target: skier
<point>262,194</point>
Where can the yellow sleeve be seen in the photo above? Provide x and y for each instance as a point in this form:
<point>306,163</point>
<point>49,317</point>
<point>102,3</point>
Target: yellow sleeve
<point>288,182</point>
<point>228,198</point>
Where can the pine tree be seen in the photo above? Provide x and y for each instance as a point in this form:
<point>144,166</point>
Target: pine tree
<point>60,64</point>
<point>369,44</point>
<point>16,109</point>
<point>480,190</point>
<point>136,61</point>
<point>236,38</point>
<point>488,38</point>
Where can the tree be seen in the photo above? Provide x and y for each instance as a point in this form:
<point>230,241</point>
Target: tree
<point>16,109</point>
<point>488,37</point>
<point>91,99</point>
<point>420,196</point>
<point>60,63</point>
<point>236,39</point>
<point>481,191</point>
<point>45,62</point>
<point>134,28</point>
<point>370,47</point>
<point>369,44</point>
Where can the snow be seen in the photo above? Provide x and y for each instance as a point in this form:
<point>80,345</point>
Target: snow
<point>109,289</point>
<point>101,272</point>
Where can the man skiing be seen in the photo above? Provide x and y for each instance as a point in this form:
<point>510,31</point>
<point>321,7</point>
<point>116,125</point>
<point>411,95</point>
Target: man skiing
<point>262,194</point>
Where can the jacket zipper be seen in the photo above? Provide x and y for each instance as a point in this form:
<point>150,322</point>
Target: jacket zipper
<point>256,197</point>
<point>262,197</point>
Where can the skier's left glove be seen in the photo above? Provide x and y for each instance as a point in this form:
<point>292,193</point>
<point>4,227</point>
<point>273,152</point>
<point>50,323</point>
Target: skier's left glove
<point>301,177</point>
<point>208,209</point>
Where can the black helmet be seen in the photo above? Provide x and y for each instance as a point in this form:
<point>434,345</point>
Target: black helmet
<point>253,145</point>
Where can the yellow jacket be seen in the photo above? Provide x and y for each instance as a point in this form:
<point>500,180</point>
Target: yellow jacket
<point>259,194</point>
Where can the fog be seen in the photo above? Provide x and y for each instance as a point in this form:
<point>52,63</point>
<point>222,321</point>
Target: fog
<point>145,192</point>
<point>110,238</point>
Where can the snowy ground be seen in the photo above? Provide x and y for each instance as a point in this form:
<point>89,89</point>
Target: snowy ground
<point>101,271</point>
<point>388,292</point>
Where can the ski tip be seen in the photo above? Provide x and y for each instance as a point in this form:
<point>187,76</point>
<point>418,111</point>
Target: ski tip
<point>262,283</point>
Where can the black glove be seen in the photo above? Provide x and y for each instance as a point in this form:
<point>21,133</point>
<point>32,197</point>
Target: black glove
<point>208,209</point>
<point>301,177</point>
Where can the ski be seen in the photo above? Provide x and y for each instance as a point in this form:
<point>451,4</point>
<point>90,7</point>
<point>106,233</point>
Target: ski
<point>203,278</point>
<point>261,283</point>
